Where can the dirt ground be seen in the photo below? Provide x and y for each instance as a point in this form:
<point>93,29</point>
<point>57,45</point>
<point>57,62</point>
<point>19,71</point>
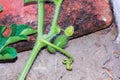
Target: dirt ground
<point>96,55</point>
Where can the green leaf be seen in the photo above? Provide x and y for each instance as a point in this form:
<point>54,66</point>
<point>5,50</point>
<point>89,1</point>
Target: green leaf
<point>1,8</point>
<point>69,31</point>
<point>28,31</point>
<point>2,28</point>
<point>21,29</point>
<point>18,33</point>
<point>2,42</point>
<point>13,29</point>
<point>16,39</point>
<point>8,53</point>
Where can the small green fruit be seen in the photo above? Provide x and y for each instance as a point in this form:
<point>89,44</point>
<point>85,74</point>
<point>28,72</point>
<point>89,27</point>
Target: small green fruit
<point>61,41</point>
<point>51,49</point>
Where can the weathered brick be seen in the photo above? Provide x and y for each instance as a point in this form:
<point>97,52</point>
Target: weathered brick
<point>86,16</point>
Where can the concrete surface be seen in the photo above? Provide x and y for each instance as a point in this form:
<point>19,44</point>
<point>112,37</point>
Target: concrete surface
<point>97,57</point>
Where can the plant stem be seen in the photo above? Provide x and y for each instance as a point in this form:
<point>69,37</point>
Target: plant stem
<point>68,61</point>
<point>57,48</point>
<point>38,44</point>
<point>30,61</point>
<point>55,18</point>
<point>40,18</point>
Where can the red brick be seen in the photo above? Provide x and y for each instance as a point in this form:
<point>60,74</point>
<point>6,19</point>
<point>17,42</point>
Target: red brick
<point>86,16</point>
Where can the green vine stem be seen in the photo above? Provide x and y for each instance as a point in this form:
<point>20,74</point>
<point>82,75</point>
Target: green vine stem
<point>38,45</point>
<point>30,61</point>
<point>57,48</point>
<point>40,18</point>
<point>54,26</point>
<point>68,61</point>
<point>54,22</point>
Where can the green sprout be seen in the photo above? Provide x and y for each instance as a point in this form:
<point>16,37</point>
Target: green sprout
<point>69,31</point>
